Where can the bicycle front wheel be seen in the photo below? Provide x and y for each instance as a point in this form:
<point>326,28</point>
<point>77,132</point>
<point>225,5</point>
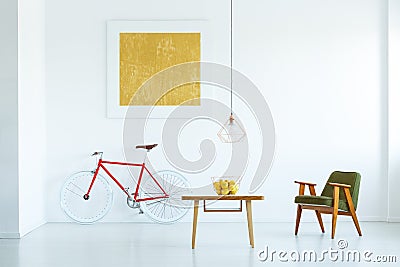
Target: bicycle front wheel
<point>165,210</point>
<point>90,210</point>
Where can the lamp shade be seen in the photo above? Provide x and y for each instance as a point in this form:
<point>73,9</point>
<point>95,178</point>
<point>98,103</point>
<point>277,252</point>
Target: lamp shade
<point>231,131</point>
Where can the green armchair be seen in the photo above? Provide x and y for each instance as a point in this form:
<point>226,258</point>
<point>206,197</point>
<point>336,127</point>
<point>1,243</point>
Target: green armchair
<point>339,197</point>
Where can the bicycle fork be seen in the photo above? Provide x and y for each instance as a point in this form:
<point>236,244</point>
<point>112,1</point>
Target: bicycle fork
<point>86,196</point>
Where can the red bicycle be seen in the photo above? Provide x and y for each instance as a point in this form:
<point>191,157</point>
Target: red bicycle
<point>86,196</point>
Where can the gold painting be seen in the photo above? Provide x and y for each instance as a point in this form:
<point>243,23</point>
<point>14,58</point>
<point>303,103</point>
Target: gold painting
<point>144,54</point>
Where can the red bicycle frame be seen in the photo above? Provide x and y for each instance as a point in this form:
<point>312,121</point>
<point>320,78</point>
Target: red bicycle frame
<point>136,195</point>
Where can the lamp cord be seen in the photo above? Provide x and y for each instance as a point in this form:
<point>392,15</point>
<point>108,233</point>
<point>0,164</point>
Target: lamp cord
<point>231,77</point>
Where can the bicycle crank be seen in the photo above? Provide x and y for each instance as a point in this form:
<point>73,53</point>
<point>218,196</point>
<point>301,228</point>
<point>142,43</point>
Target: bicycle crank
<point>132,203</point>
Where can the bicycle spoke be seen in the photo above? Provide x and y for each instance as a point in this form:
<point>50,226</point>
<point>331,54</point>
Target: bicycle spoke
<point>152,186</point>
<point>163,210</point>
<point>78,187</point>
<point>173,182</point>
<point>73,192</point>
<point>152,203</point>
<point>152,208</point>
<point>178,190</point>
<point>154,194</point>
<point>173,208</point>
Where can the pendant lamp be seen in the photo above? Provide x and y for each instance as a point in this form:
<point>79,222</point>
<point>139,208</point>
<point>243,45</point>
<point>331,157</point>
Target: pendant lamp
<point>232,131</point>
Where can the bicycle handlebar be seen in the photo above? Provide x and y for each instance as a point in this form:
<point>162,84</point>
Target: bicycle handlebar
<point>97,153</point>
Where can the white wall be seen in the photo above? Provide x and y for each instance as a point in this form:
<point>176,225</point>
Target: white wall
<point>9,119</point>
<point>320,64</point>
<point>32,127</point>
<point>394,110</point>
<point>22,103</point>
<point>322,67</point>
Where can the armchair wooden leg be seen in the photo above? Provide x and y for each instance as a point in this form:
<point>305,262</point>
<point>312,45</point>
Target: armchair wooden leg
<point>299,210</point>
<point>335,209</point>
<point>354,216</point>
<point>352,210</point>
<point>313,193</point>
<point>321,224</point>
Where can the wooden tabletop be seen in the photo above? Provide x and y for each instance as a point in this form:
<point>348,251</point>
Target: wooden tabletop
<point>222,197</point>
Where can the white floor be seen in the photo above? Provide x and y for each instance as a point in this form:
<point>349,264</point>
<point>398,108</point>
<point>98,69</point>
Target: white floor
<point>218,244</point>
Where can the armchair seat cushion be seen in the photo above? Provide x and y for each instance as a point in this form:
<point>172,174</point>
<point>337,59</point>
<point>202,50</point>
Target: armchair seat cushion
<point>320,200</point>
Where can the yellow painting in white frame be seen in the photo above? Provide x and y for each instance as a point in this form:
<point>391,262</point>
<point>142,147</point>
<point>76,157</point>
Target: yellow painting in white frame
<point>213,47</point>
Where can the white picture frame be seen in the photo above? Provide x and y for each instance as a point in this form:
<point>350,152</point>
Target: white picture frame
<point>213,49</point>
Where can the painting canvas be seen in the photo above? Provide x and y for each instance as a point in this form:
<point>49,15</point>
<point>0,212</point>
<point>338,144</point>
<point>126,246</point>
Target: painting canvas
<point>142,55</point>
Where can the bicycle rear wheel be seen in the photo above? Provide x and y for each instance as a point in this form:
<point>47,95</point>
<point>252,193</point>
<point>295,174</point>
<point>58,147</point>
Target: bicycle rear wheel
<point>81,210</point>
<point>165,210</point>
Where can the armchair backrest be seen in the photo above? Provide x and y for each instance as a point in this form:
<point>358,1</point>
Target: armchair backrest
<point>351,178</point>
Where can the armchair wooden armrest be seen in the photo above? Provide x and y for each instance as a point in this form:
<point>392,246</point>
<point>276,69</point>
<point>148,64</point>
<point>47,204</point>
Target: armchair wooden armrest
<point>340,185</point>
<point>311,187</point>
<point>305,183</point>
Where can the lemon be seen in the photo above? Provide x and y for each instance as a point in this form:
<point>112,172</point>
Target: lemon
<point>225,191</point>
<point>224,184</point>
<point>217,185</point>
<point>234,191</point>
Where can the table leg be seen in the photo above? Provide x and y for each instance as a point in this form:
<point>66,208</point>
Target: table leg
<point>250,222</point>
<point>195,215</point>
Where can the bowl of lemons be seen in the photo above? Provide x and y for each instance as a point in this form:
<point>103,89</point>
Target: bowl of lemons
<point>225,185</point>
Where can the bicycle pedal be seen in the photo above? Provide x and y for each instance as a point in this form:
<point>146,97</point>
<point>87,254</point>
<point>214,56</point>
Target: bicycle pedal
<point>141,211</point>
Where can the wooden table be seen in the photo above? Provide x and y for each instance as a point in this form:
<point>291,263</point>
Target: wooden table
<point>196,199</point>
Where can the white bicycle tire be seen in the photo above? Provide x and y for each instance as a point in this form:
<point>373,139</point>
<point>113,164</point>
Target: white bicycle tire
<point>86,211</point>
